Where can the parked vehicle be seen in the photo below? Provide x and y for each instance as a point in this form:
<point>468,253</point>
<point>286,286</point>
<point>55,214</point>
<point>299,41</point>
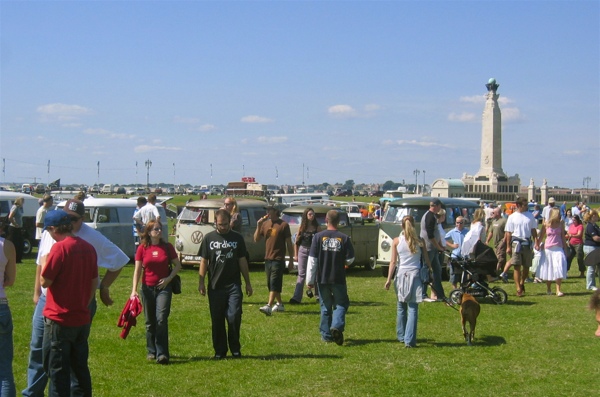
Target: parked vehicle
<point>290,199</point>
<point>30,207</point>
<point>106,189</point>
<point>198,218</point>
<point>390,226</point>
<point>113,217</point>
<point>353,211</point>
<point>364,237</point>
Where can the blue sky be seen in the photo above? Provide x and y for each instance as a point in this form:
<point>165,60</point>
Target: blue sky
<point>362,90</point>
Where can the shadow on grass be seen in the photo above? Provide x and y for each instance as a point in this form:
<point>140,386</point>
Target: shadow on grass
<point>174,360</point>
<point>487,340</point>
<point>362,342</point>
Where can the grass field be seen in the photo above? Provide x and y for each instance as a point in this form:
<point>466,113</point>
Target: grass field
<point>537,345</point>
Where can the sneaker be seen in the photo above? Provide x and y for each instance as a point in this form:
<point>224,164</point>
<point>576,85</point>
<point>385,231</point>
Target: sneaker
<point>338,336</point>
<point>162,359</point>
<point>218,357</point>
<point>504,278</point>
<point>309,293</point>
<point>293,301</point>
<point>429,300</point>
<point>529,280</point>
<point>266,309</point>
<point>559,294</point>
<point>150,357</point>
<point>236,355</point>
<point>278,308</point>
<point>537,280</point>
<point>593,288</point>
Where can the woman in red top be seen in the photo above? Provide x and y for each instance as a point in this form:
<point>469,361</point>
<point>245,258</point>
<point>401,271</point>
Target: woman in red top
<point>154,256</point>
<point>575,240</point>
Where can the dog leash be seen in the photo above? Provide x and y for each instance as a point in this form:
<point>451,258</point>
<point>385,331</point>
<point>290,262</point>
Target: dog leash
<point>447,301</point>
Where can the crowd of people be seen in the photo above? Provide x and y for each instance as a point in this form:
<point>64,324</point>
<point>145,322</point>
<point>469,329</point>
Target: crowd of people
<point>71,253</point>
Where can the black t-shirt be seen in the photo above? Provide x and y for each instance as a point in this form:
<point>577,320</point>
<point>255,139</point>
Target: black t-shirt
<point>591,230</point>
<point>331,248</point>
<point>223,252</point>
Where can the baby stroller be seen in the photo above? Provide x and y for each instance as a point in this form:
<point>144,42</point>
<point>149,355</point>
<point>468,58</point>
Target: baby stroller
<point>474,272</point>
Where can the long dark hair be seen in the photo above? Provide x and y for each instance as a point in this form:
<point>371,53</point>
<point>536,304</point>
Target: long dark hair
<point>145,237</point>
<point>305,223</point>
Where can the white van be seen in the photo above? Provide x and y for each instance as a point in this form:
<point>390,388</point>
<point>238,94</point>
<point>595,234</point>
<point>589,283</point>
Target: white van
<point>30,207</point>
<point>113,218</point>
<point>304,198</point>
<point>106,189</point>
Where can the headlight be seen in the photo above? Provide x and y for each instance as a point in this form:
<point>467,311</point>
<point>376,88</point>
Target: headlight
<point>179,245</point>
<point>385,246</point>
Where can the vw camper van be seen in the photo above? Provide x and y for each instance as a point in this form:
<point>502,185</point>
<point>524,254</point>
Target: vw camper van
<point>30,207</point>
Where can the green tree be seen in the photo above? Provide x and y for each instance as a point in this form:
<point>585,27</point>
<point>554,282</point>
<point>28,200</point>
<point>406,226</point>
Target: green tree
<point>349,184</point>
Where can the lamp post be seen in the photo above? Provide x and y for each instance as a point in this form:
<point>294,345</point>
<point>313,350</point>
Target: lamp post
<point>148,164</point>
<point>423,189</point>
<point>416,173</point>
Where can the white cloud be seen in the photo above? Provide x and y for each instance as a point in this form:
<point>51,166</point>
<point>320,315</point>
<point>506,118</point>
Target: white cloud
<point>341,111</point>
<point>53,112</point>
<point>206,128</point>
<point>148,148</point>
<point>272,139</point>
<point>256,119</point>
<point>423,143</point>
<point>462,117</point>
<point>107,134</point>
<point>512,114</point>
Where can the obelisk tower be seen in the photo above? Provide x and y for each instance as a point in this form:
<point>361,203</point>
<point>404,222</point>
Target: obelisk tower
<point>491,136</point>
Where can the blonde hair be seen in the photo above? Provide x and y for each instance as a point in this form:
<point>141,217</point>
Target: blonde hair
<point>19,201</point>
<point>410,234</point>
<point>553,218</point>
<point>479,215</point>
<point>441,213</point>
<point>588,216</point>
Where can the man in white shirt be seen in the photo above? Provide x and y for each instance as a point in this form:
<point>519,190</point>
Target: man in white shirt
<point>147,213</point>
<point>548,208</point>
<point>40,215</point>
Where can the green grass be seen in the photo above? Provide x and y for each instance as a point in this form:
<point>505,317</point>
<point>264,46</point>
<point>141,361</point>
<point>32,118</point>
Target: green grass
<point>533,346</point>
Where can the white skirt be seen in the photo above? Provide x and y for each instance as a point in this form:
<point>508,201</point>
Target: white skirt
<point>553,264</point>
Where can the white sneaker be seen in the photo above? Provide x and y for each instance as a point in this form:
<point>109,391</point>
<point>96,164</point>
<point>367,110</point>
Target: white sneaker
<point>429,300</point>
<point>266,309</point>
<point>593,288</point>
<point>278,308</point>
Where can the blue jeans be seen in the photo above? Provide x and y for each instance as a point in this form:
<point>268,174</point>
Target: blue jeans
<point>226,306</point>
<point>437,275</point>
<point>7,381</point>
<point>157,307</point>
<point>66,351</point>
<point>590,275</point>
<point>334,305</point>
<point>406,322</point>
<point>36,377</point>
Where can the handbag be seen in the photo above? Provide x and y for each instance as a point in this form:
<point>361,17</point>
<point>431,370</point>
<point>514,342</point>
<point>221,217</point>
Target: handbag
<point>176,282</point>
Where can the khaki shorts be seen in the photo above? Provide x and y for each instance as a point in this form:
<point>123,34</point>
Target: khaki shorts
<point>501,253</point>
<point>524,257</point>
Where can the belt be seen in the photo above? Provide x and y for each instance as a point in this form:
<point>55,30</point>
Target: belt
<point>3,301</point>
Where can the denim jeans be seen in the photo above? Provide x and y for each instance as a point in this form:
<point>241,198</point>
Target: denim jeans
<point>157,307</point>
<point>590,275</point>
<point>334,305</point>
<point>36,377</point>
<point>226,306</point>
<point>66,351</point>
<point>406,322</point>
<point>437,287</point>
<point>7,381</point>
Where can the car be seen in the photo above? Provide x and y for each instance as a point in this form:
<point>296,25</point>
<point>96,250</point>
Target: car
<point>198,218</point>
<point>364,237</point>
<point>354,214</point>
<point>390,224</point>
<point>30,207</point>
<point>376,193</point>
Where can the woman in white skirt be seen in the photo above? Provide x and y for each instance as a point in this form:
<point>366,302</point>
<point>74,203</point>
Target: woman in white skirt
<point>553,263</point>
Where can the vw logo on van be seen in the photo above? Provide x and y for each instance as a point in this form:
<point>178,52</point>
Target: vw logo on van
<point>197,237</point>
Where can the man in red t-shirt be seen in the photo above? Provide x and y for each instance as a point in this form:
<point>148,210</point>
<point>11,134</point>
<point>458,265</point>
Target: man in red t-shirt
<point>71,276</point>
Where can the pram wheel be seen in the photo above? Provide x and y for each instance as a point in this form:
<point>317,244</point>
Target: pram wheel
<point>499,295</point>
<point>456,296</point>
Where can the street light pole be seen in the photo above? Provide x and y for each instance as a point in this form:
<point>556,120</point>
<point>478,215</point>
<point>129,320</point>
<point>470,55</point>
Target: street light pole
<point>416,173</point>
<point>423,189</point>
<point>148,165</point>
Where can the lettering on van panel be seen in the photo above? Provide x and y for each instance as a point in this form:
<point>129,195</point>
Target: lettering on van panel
<point>217,245</point>
<point>331,244</point>
<point>197,237</point>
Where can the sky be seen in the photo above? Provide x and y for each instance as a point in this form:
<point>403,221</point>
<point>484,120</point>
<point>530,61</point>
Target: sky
<point>295,92</point>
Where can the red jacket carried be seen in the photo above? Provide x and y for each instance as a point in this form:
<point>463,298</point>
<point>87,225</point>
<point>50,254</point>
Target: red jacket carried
<point>132,309</point>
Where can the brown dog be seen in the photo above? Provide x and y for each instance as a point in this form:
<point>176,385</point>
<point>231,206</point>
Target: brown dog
<point>469,310</point>
<point>595,305</point>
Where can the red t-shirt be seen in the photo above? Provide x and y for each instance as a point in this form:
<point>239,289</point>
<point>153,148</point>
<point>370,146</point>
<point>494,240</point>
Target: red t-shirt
<point>155,261</point>
<point>71,265</point>
<point>573,230</point>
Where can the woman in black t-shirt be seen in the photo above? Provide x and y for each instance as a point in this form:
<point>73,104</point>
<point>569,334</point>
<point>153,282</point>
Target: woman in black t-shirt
<point>308,228</point>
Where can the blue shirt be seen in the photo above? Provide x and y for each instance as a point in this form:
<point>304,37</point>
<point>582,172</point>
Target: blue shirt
<point>457,237</point>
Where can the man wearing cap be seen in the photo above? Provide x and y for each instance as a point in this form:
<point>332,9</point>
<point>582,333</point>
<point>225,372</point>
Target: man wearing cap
<point>147,213</point>
<point>430,234</point>
<point>70,275</point>
<point>278,238</point>
<point>548,208</point>
<point>47,202</point>
<point>108,255</point>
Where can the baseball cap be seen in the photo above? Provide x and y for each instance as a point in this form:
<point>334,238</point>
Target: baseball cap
<point>74,208</point>
<point>435,201</point>
<point>56,218</point>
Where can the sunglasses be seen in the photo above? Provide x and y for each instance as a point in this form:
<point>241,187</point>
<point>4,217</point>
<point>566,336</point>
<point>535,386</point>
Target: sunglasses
<point>459,223</point>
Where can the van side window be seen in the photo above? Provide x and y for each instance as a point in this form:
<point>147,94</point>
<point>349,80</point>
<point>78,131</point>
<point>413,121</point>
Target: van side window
<point>4,208</point>
<point>107,215</point>
<point>245,217</point>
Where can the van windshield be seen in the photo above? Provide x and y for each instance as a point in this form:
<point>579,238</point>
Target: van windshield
<point>197,215</point>
<point>296,219</point>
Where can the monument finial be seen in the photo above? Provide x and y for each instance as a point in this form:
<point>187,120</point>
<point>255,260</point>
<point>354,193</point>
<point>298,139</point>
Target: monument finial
<point>492,85</point>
